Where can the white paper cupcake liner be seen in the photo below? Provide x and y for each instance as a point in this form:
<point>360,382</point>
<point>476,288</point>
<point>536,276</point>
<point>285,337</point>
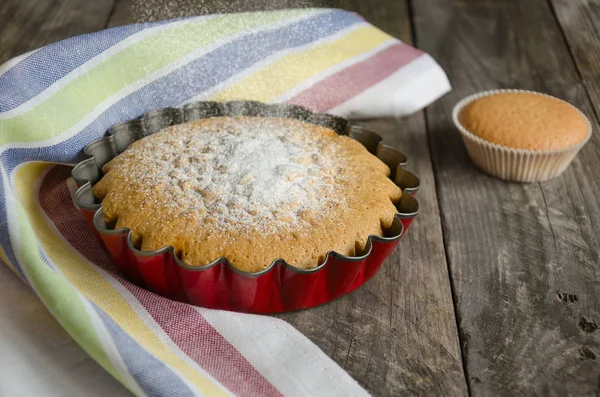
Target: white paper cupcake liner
<point>523,165</point>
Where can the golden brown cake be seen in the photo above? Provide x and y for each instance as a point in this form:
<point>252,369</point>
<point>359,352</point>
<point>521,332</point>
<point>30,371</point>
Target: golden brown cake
<point>525,120</point>
<point>250,189</point>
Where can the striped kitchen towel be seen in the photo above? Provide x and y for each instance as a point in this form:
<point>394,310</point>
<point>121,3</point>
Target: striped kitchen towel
<point>55,100</point>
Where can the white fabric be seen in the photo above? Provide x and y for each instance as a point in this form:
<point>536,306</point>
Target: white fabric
<point>422,80</point>
<point>257,337</point>
<point>37,356</point>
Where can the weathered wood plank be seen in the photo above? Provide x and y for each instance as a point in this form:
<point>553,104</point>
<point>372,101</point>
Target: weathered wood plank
<point>396,335</point>
<point>516,251</point>
<point>29,24</point>
<point>580,22</point>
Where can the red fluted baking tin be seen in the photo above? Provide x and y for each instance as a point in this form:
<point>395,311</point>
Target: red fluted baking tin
<point>278,288</point>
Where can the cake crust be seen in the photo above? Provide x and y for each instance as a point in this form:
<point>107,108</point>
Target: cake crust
<point>249,189</point>
<point>525,120</point>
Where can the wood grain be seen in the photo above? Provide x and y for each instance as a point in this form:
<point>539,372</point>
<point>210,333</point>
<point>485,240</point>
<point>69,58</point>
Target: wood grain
<point>26,25</point>
<point>397,334</point>
<point>523,258</point>
<point>580,22</point>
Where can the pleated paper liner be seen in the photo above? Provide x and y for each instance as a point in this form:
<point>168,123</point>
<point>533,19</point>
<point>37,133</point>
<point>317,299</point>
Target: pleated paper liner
<point>522,165</point>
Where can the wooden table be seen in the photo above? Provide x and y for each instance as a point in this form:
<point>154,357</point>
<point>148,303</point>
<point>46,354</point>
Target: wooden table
<point>495,290</point>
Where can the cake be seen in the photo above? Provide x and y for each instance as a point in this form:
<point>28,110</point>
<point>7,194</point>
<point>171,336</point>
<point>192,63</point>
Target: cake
<point>525,120</point>
<point>521,135</point>
<point>250,189</point>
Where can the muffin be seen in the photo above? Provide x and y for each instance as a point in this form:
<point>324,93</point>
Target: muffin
<point>521,135</point>
<point>250,189</point>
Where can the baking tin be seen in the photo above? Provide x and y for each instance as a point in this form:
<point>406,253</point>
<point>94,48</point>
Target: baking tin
<point>521,165</point>
<point>280,287</point>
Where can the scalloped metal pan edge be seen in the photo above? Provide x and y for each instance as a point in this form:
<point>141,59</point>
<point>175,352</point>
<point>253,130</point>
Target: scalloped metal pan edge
<point>254,108</point>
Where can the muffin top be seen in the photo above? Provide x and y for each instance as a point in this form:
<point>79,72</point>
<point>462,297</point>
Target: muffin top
<point>250,189</point>
<point>524,120</point>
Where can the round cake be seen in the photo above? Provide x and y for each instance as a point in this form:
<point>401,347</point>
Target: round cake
<point>524,120</point>
<point>250,189</point>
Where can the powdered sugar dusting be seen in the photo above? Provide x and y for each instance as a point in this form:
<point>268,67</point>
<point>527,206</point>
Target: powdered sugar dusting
<point>259,175</point>
<point>154,10</point>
